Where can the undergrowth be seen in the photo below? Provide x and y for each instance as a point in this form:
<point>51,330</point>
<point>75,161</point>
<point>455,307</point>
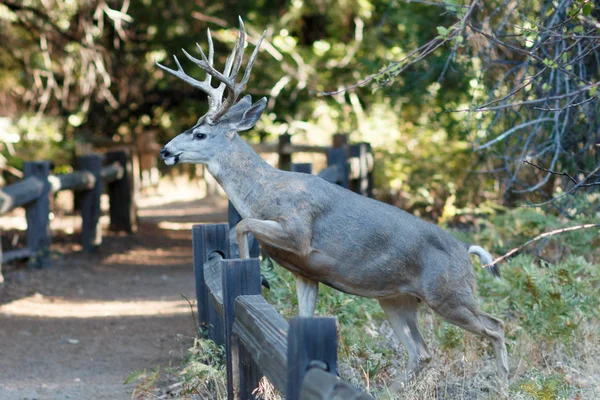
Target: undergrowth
<point>547,297</point>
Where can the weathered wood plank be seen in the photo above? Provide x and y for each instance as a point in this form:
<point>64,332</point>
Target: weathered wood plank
<point>305,168</point>
<point>310,340</point>
<point>331,174</point>
<point>322,385</point>
<point>263,332</point>
<point>112,172</point>
<point>212,277</point>
<point>36,213</point>
<point>17,254</point>
<point>209,241</point>
<point>91,232</point>
<point>234,218</point>
<point>361,164</point>
<point>20,193</point>
<point>285,157</point>
<point>287,148</point>
<point>337,157</point>
<point>78,180</point>
<point>122,207</point>
<point>240,277</point>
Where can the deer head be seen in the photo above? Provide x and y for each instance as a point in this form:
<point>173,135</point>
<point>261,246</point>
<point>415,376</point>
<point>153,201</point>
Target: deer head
<point>215,129</point>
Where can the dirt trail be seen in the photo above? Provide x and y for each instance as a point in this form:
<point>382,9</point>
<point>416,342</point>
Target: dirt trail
<point>77,330</point>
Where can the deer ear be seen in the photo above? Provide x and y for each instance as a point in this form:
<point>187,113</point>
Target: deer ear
<point>251,115</point>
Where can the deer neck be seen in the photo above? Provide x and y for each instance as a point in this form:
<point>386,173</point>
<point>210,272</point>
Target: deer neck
<point>241,173</point>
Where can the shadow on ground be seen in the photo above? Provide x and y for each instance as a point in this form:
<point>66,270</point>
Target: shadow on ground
<point>78,329</point>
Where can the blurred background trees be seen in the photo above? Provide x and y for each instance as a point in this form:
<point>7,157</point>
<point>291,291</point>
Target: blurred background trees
<point>453,95</point>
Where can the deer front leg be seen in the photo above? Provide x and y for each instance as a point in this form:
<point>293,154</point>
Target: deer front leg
<point>270,233</point>
<point>307,291</point>
<point>273,234</point>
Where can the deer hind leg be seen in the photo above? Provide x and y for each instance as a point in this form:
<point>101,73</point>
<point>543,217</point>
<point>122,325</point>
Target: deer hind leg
<point>464,313</point>
<point>401,312</point>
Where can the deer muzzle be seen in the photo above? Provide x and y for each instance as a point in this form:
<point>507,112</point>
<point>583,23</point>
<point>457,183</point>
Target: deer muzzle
<point>169,157</point>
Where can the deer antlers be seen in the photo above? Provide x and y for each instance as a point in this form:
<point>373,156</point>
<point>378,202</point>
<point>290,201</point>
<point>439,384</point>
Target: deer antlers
<point>217,106</point>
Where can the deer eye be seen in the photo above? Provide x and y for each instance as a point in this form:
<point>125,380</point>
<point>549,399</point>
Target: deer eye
<point>200,136</point>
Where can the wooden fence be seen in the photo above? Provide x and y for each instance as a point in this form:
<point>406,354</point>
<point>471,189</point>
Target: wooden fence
<point>38,184</point>
<point>350,164</point>
<point>300,357</point>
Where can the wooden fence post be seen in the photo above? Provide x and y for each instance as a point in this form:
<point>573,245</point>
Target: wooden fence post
<point>207,239</point>
<point>122,208</point>
<point>91,231</point>
<point>338,157</point>
<point>234,218</point>
<point>305,168</point>
<point>360,184</point>
<point>36,212</point>
<point>285,159</point>
<point>312,343</point>
<point>371,167</point>
<point>240,277</point>
<point>339,140</point>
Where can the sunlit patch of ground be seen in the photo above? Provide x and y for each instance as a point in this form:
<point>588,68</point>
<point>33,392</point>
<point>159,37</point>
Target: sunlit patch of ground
<point>39,305</point>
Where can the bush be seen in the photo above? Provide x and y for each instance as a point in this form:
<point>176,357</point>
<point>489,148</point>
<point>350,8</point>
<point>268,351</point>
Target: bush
<point>549,301</point>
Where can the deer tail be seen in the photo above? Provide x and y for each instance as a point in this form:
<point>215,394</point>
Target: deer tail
<point>486,260</point>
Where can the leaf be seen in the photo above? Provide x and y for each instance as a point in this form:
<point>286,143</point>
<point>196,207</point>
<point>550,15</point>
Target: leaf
<point>578,29</point>
<point>593,90</point>
<point>587,8</point>
<point>442,31</point>
<point>458,39</point>
<point>565,57</point>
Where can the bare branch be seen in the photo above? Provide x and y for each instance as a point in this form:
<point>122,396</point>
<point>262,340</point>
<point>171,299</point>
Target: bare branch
<point>539,237</point>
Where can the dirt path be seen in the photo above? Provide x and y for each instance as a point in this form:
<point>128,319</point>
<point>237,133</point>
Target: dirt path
<point>77,330</point>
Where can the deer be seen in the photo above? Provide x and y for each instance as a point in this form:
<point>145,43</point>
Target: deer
<point>324,233</point>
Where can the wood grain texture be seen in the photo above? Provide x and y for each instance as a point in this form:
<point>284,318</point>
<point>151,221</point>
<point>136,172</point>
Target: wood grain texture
<point>309,340</point>
<point>36,213</point>
<point>240,277</point>
<point>91,233</point>
<point>122,210</point>
<point>209,241</point>
<point>322,385</point>
<point>20,193</point>
<point>263,332</point>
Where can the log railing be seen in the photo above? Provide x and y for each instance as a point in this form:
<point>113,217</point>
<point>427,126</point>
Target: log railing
<point>349,165</point>
<point>34,190</point>
<point>300,357</point>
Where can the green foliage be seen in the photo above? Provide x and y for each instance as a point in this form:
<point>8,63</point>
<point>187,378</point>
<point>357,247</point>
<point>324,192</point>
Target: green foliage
<point>204,370</point>
<point>540,387</point>
<point>546,302</point>
<point>449,336</point>
<point>146,379</point>
<point>504,229</point>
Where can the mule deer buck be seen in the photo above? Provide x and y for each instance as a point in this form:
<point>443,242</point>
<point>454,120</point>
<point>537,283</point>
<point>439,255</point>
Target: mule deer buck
<point>324,233</point>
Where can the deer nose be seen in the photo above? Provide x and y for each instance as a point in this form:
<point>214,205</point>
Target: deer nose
<point>164,153</point>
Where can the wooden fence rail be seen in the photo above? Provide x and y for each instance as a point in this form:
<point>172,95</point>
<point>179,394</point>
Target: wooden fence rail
<point>300,357</point>
<point>349,165</point>
<point>34,190</point>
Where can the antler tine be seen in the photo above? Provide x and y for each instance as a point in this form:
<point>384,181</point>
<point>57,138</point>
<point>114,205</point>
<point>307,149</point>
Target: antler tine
<point>237,55</point>
<point>206,66</point>
<point>180,73</point>
<point>239,50</point>
<point>246,76</point>
<point>217,105</point>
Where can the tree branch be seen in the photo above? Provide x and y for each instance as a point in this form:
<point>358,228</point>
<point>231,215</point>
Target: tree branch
<point>539,237</point>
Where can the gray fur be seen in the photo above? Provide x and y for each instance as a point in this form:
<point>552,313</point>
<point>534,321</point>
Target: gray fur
<point>324,233</point>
